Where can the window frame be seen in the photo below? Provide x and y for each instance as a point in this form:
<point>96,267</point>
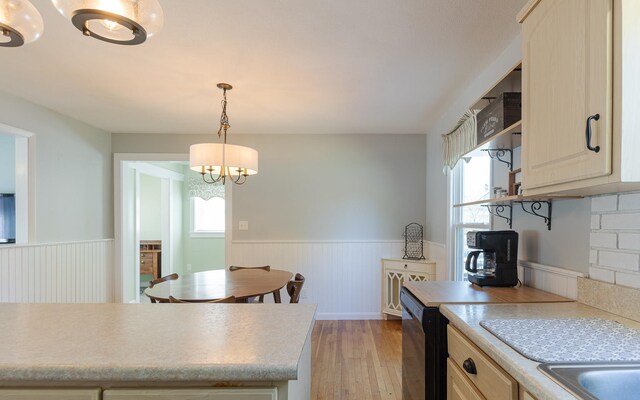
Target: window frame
<point>204,234</point>
<point>456,225</point>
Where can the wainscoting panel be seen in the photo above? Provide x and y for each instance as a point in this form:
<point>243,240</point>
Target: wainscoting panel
<point>77,272</point>
<point>342,277</point>
<point>560,281</point>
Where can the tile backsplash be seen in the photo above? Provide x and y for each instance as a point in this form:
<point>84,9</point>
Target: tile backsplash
<point>615,239</point>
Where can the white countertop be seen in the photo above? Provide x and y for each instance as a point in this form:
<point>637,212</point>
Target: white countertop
<point>152,342</point>
<point>466,318</point>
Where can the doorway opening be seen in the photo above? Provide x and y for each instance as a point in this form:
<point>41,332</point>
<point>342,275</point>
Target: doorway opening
<point>167,221</point>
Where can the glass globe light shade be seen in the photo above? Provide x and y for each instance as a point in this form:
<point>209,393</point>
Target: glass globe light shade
<point>114,21</point>
<point>20,23</point>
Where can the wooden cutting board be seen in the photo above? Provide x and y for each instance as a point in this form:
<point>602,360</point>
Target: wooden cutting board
<point>432,294</point>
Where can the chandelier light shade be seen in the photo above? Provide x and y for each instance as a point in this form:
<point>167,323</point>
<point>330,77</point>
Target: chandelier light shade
<point>125,22</point>
<point>20,23</point>
<point>219,161</point>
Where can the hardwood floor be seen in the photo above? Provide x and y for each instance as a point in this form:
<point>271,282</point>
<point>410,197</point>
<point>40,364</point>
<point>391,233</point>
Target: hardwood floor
<point>356,360</point>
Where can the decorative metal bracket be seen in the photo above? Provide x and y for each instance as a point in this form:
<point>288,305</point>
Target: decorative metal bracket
<point>498,211</point>
<point>534,207</point>
<point>498,154</point>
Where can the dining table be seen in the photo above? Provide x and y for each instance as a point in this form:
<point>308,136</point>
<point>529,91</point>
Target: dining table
<point>216,284</point>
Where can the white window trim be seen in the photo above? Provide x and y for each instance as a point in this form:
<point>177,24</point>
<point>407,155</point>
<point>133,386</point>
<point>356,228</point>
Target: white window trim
<point>203,234</point>
<point>454,183</point>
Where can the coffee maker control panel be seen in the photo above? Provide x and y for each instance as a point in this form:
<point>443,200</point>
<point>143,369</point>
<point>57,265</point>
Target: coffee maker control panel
<point>471,239</point>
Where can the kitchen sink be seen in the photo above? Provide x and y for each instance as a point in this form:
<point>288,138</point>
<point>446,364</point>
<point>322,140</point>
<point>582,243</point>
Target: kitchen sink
<point>597,381</point>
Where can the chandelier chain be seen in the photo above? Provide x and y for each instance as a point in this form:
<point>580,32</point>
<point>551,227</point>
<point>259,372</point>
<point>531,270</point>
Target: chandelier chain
<point>224,118</point>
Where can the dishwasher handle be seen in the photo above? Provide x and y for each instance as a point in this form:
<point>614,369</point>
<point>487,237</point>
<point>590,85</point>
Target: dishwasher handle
<point>411,305</point>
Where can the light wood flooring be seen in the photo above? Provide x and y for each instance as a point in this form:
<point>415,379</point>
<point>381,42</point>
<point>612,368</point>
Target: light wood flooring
<point>356,360</point>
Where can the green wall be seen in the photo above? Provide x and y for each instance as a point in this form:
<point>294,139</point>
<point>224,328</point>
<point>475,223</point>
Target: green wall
<point>200,253</point>
<point>150,208</point>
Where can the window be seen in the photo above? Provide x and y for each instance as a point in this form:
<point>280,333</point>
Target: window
<point>471,181</point>
<point>207,216</point>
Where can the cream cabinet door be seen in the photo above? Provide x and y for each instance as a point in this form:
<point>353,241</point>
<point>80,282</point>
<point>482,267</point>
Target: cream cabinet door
<point>458,386</point>
<point>393,281</point>
<point>192,394</point>
<point>49,394</point>
<point>567,77</point>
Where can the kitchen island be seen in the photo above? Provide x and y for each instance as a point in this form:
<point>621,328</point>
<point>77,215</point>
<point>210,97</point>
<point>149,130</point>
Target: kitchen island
<point>157,351</point>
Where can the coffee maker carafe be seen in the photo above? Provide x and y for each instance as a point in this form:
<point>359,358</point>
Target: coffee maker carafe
<point>500,253</point>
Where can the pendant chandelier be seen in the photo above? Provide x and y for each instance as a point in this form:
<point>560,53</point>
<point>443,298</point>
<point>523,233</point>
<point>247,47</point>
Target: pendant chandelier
<point>219,161</point>
<point>126,22</point>
<point>20,23</point>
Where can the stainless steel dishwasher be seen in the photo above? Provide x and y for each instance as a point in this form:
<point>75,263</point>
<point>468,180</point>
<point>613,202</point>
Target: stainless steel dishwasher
<point>424,350</point>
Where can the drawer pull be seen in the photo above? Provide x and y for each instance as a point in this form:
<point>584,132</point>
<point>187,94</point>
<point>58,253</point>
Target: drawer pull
<point>594,117</point>
<point>469,366</point>
<point>142,262</point>
<point>405,266</point>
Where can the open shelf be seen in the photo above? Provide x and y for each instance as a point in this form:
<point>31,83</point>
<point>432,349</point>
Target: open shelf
<point>502,207</point>
<point>508,138</point>
<point>510,199</point>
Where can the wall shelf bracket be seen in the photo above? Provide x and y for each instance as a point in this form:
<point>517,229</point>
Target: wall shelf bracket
<point>499,154</point>
<point>498,210</point>
<point>534,206</point>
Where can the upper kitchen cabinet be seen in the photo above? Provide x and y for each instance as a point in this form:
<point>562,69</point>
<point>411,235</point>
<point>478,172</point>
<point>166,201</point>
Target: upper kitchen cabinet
<point>581,90</point>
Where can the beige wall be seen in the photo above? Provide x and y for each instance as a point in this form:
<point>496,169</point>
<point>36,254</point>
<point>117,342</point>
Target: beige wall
<point>74,173</point>
<point>7,163</point>
<point>566,245</point>
<point>318,187</point>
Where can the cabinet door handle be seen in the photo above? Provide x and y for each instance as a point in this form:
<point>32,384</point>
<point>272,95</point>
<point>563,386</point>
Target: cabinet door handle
<point>594,117</point>
<point>469,366</point>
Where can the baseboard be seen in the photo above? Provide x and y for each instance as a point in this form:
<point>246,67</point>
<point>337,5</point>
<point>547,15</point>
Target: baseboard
<point>348,316</point>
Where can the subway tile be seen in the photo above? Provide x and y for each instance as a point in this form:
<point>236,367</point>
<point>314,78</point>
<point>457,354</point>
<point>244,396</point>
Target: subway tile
<point>595,221</point>
<point>628,279</point>
<point>605,240</point>
<point>593,256</point>
<point>604,203</point>
<point>629,241</point>
<point>602,274</point>
<point>620,221</point>
<point>630,201</point>
<point>619,260</point>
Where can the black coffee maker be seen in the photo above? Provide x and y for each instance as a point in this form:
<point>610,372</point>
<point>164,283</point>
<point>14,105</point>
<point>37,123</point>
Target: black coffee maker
<point>500,252</point>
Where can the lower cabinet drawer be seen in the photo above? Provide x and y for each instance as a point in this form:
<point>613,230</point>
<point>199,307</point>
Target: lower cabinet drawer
<point>192,394</point>
<point>49,394</point>
<point>492,381</point>
<point>424,267</point>
<point>458,386</point>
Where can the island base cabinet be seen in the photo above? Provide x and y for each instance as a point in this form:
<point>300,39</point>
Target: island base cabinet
<point>458,386</point>
<point>192,394</point>
<point>49,394</point>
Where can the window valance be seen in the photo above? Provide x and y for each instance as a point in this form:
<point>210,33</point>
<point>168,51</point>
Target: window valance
<point>460,140</point>
<point>198,188</point>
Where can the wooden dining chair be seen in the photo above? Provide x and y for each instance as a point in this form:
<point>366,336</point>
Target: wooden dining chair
<point>171,277</point>
<point>294,288</point>
<point>264,267</point>
<point>153,282</point>
<point>229,299</point>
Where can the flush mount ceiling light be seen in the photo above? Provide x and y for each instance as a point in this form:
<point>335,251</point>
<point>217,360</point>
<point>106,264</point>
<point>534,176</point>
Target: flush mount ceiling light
<point>217,161</point>
<point>115,21</point>
<point>20,23</point>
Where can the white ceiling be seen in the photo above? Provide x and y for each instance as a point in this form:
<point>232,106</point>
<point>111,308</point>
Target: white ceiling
<point>297,66</point>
